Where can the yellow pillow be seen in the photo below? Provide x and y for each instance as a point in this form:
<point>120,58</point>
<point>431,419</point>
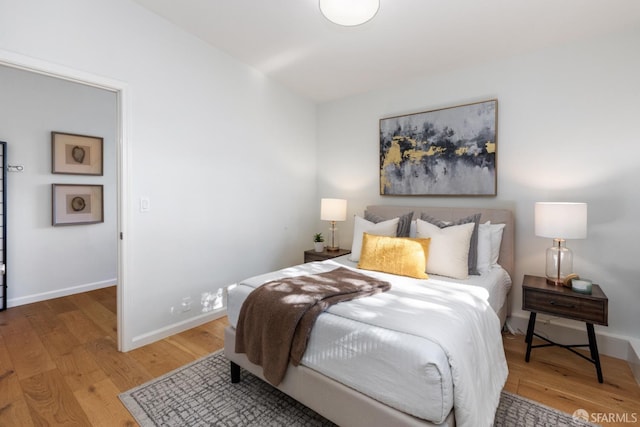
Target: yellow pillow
<point>396,255</point>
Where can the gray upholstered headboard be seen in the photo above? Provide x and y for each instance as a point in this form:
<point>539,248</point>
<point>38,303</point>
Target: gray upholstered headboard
<point>496,216</point>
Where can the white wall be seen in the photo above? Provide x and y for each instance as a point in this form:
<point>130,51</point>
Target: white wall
<point>567,131</point>
<point>45,261</point>
<point>226,157</point>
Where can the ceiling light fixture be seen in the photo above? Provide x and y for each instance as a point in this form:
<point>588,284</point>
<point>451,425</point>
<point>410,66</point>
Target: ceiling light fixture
<point>349,12</point>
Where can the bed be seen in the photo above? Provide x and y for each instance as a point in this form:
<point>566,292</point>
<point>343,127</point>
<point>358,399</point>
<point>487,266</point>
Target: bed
<point>361,388</point>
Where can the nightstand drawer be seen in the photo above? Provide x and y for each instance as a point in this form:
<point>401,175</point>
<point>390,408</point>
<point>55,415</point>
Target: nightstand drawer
<point>586,310</point>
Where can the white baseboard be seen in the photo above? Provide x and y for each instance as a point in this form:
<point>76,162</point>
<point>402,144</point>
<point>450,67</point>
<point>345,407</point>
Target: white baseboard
<point>175,328</point>
<point>634,358</point>
<point>28,299</point>
<point>574,332</point>
<point>138,341</point>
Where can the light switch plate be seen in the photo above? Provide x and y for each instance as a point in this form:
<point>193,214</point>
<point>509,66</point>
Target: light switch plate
<point>145,204</point>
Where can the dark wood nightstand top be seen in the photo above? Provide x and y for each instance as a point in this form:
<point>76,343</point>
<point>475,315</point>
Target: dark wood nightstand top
<point>539,296</point>
<point>312,255</point>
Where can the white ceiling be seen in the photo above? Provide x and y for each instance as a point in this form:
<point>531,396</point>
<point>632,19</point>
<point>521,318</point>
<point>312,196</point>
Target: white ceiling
<point>290,41</point>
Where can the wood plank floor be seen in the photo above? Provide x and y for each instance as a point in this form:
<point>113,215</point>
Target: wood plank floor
<point>59,365</point>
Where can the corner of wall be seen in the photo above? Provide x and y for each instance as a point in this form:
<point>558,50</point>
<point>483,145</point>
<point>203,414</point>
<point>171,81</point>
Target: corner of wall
<point>173,329</point>
<point>558,330</point>
<point>58,293</point>
<point>625,348</point>
<point>634,358</point>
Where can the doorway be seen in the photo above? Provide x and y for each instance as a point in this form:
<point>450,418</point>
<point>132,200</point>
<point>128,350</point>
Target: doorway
<point>15,61</point>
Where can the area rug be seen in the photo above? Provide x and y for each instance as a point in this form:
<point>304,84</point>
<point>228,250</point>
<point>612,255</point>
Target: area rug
<point>201,394</point>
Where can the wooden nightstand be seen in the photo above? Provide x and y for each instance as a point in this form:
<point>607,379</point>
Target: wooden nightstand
<point>312,255</point>
<point>540,297</point>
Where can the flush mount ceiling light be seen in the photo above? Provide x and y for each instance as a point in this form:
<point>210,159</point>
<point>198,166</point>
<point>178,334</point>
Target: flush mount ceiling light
<point>349,12</point>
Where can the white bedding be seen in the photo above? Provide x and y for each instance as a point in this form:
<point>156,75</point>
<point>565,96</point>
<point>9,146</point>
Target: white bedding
<point>398,361</point>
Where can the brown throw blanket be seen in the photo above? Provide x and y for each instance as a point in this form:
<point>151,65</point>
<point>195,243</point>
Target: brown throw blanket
<point>276,318</point>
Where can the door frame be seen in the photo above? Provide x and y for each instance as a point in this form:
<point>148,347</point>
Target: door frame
<point>123,156</point>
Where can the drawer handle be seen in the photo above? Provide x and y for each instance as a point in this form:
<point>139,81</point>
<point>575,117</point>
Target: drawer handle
<point>552,302</point>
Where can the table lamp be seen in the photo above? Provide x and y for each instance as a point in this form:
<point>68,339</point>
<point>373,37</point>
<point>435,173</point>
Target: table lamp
<point>560,221</point>
<point>333,210</point>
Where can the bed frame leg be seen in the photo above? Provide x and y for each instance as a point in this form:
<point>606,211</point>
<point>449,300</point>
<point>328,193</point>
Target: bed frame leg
<point>235,373</point>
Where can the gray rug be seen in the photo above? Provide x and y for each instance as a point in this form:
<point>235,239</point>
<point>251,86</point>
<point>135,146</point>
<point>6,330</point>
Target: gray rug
<point>201,394</point>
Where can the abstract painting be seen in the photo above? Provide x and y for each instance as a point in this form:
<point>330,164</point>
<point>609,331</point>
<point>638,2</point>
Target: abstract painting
<point>445,152</point>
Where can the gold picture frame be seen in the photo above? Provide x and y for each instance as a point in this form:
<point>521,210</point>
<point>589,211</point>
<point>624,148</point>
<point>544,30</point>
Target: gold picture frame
<point>445,152</point>
<point>74,204</point>
<point>76,154</point>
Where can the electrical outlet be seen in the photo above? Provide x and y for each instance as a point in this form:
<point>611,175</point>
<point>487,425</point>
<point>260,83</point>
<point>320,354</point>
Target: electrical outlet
<point>545,321</point>
<point>212,300</point>
<point>186,304</point>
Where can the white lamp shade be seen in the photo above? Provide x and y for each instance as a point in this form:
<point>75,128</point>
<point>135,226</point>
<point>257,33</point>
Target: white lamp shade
<point>333,209</point>
<point>349,12</point>
<point>561,220</point>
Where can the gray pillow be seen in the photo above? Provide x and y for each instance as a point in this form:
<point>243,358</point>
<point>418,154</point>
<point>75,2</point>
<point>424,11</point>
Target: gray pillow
<point>404,222</point>
<point>473,245</point>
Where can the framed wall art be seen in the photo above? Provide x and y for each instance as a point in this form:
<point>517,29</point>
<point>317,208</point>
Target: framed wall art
<point>74,204</point>
<point>445,152</point>
<point>76,154</point>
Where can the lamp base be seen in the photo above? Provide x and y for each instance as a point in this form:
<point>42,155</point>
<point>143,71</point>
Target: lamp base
<point>555,282</point>
<point>334,244</point>
<point>559,263</point>
<point>562,281</point>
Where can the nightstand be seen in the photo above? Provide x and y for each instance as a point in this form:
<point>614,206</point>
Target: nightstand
<point>312,255</point>
<point>540,297</point>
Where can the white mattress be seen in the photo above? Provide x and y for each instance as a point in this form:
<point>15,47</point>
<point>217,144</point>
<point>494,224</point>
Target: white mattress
<point>402,370</point>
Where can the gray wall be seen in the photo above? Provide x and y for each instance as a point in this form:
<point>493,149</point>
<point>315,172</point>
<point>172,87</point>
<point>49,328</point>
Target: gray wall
<point>567,131</point>
<point>45,261</point>
<point>225,156</point>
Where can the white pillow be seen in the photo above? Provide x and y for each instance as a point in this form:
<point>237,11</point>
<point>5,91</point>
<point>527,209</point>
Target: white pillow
<point>489,241</point>
<point>449,248</point>
<point>484,247</point>
<point>496,241</point>
<point>413,229</point>
<point>361,226</point>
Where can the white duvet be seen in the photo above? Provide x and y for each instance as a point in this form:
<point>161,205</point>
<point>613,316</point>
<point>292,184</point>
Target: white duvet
<point>450,325</point>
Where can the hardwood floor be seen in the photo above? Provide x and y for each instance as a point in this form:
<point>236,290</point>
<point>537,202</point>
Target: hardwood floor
<point>59,365</point>
<point>564,381</point>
